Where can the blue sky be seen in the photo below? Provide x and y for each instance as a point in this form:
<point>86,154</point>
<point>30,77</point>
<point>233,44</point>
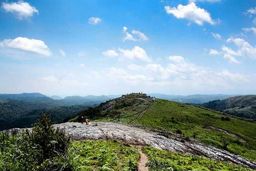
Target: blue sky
<point>114,47</point>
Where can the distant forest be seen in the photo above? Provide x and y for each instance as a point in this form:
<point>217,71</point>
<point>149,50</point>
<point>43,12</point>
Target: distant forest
<point>23,110</point>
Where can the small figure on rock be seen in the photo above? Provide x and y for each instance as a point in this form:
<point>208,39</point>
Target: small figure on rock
<point>87,121</point>
<point>84,119</point>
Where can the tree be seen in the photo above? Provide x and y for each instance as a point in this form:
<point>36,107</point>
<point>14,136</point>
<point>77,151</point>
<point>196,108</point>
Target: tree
<point>51,142</point>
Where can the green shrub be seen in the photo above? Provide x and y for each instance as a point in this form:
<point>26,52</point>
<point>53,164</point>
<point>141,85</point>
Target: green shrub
<point>51,142</point>
<point>42,149</point>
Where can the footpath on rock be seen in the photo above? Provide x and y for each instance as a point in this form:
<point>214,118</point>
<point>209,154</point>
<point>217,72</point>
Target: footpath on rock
<point>141,137</point>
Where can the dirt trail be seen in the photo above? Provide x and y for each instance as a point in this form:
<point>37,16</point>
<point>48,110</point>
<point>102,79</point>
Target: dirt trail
<point>143,161</point>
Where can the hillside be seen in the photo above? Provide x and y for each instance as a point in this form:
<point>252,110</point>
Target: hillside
<point>241,106</point>
<point>187,121</point>
<point>22,110</point>
<point>14,113</point>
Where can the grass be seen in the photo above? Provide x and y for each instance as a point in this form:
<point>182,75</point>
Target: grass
<point>102,155</point>
<point>210,127</point>
<point>107,155</point>
<point>162,160</point>
<point>110,155</point>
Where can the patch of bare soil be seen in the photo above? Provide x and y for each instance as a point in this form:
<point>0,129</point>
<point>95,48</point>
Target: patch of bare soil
<point>142,164</point>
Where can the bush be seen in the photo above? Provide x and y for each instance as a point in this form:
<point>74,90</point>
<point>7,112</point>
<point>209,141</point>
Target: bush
<point>225,118</point>
<point>51,142</point>
<point>44,148</point>
<point>178,131</point>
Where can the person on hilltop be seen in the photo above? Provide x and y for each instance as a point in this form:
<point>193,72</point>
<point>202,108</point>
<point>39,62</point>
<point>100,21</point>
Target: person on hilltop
<point>84,119</point>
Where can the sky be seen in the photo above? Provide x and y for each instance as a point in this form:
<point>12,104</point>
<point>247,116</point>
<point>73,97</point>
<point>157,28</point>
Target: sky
<point>95,47</point>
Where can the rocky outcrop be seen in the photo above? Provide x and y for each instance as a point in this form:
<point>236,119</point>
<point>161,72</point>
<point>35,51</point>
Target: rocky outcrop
<point>137,136</point>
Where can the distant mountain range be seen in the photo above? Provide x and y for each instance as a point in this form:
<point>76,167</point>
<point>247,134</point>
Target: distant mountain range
<point>26,97</point>
<point>55,100</point>
<point>22,110</point>
<point>194,99</point>
<point>241,106</point>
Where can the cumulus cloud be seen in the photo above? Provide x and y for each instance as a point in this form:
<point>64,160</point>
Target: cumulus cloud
<point>214,52</point>
<point>216,36</point>
<point>28,45</point>
<point>94,20</point>
<point>21,9</point>
<point>252,11</point>
<point>135,53</point>
<point>229,54</point>
<point>242,49</point>
<point>190,12</point>
<point>134,35</point>
<point>177,59</point>
<point>176,74</point>
<point>110,53</point>
<point>251,29</point>
<point>124,75</point>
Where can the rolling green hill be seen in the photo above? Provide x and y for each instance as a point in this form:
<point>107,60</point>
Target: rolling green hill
<point>15,113</point>
<point>187,121</point>
<point>23,110</point>
<point>241,106</point>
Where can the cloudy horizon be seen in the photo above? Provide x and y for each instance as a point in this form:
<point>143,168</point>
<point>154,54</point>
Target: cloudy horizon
<point>117,47</point>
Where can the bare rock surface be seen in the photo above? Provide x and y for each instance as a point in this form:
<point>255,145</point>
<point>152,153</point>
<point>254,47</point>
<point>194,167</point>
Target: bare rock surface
<point>138,136</point>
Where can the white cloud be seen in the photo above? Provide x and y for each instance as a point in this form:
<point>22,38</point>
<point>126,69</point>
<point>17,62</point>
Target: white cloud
<point>214,52</point>
<point>175,75</point>
<point>134,35</point>
<point>136,53</point>
<point>216,36</point>
<point>28,45</point>
<point>190,12</point>
<point>230,55</point>
<point>110,53</point>
<point>56,82</point>
<point>122,74</point>
<point>244,48</point>
<point>94,20</point>
<point>251,29</point>
<point>21,9</point>
<point>62,53</point>
<point>236,77</point>
<point>177,59</point>
<point>252,11</point>
<point>234,48</point>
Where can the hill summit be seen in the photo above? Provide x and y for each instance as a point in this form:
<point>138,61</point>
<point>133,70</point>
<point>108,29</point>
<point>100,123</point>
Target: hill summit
<point>180,120</point>
<point>131,104</point>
